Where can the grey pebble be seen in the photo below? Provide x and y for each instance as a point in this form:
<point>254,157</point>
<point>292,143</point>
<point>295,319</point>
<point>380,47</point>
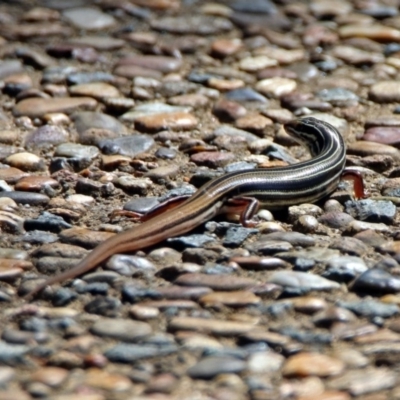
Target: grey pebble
<point>202,176</point>
<point>306,336</point>
<point>146,109</point>
<point>227,130</point>
<point>87,119</point>
<point>176,88</point>
<point>128,265</point>
<point>376,280</point>
<point>200,77</point>
<point>269,247</point>
<point>141,205</point>
<point>301,280</point>
<point>46,135</point>
<point>30,198</point>
<point>57,74</point>
<point>13,355</point>
<point>245,94</point>
<point>257,7</point>
<point>209,367</point>
<point>95,288</point>
<point>370,308</point>
<point>129,146</point>
<point>105,306</point>
<point>239,166</point>
<point>88,18</point>
<point>279,152</point>
<point>196,24</point>
<point>124,330</point>
<point>338,97</point>
<point>294,238</point>
<point>350,245</point>
<point>37,237</point>
<point>165,153</point>
<point>63,296</point>
<point>15,336</point>
<point>194,240</point>
<point>236,235</point>
<point>336,219</point>
<point>307,258</point>
<point>76,78</point>
<point>6,150</point>
<point>76,151</point>
<point>133,293</point>
<point>344,268</point>
<point>10,67</point>
<point>46,222</point>
<point>372,210</point>
<point>181,191</point>
<point>129,353</point>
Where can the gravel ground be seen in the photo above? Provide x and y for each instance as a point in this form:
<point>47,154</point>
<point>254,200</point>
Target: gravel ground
<point>119,105</point>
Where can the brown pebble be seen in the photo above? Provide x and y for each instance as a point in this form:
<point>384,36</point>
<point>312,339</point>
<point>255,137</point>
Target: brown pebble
<point>307,364</point>
<point>105,380</point>
<point>227,110</point>
<point>213,326</point>
<point>364,148</point>
<point>35,183</point>
<point>162,383</point>
<point>37,107</point>
<point>276,87</point>
<point>97,90</point>
<point>191,100</point>
<point>327,395</point>
<point>352,55</point>
<point>226,47</point>
<point>220,282</point>
<point>132,71</point>
<point>174,120</point>
<point>381,335</point>
<point>392,248</point>
<point>231,299</point>
<point>66,359</point>
<point>25,161</point>
<point>253,122</point>
<point>385,92</point>
<point>309,305</point>
<point>11,175</point>
<point>182,292</point>
<point>374,32</point>
<point>50,376</point>
<point>225,85</point>
<point>212,159</point>
<point>385,120</point>
<point>385,135</point>
<point>84,237</point>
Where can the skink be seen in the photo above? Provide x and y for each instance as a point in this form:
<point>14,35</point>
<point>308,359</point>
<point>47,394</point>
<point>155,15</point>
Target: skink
<point>241,192</point>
